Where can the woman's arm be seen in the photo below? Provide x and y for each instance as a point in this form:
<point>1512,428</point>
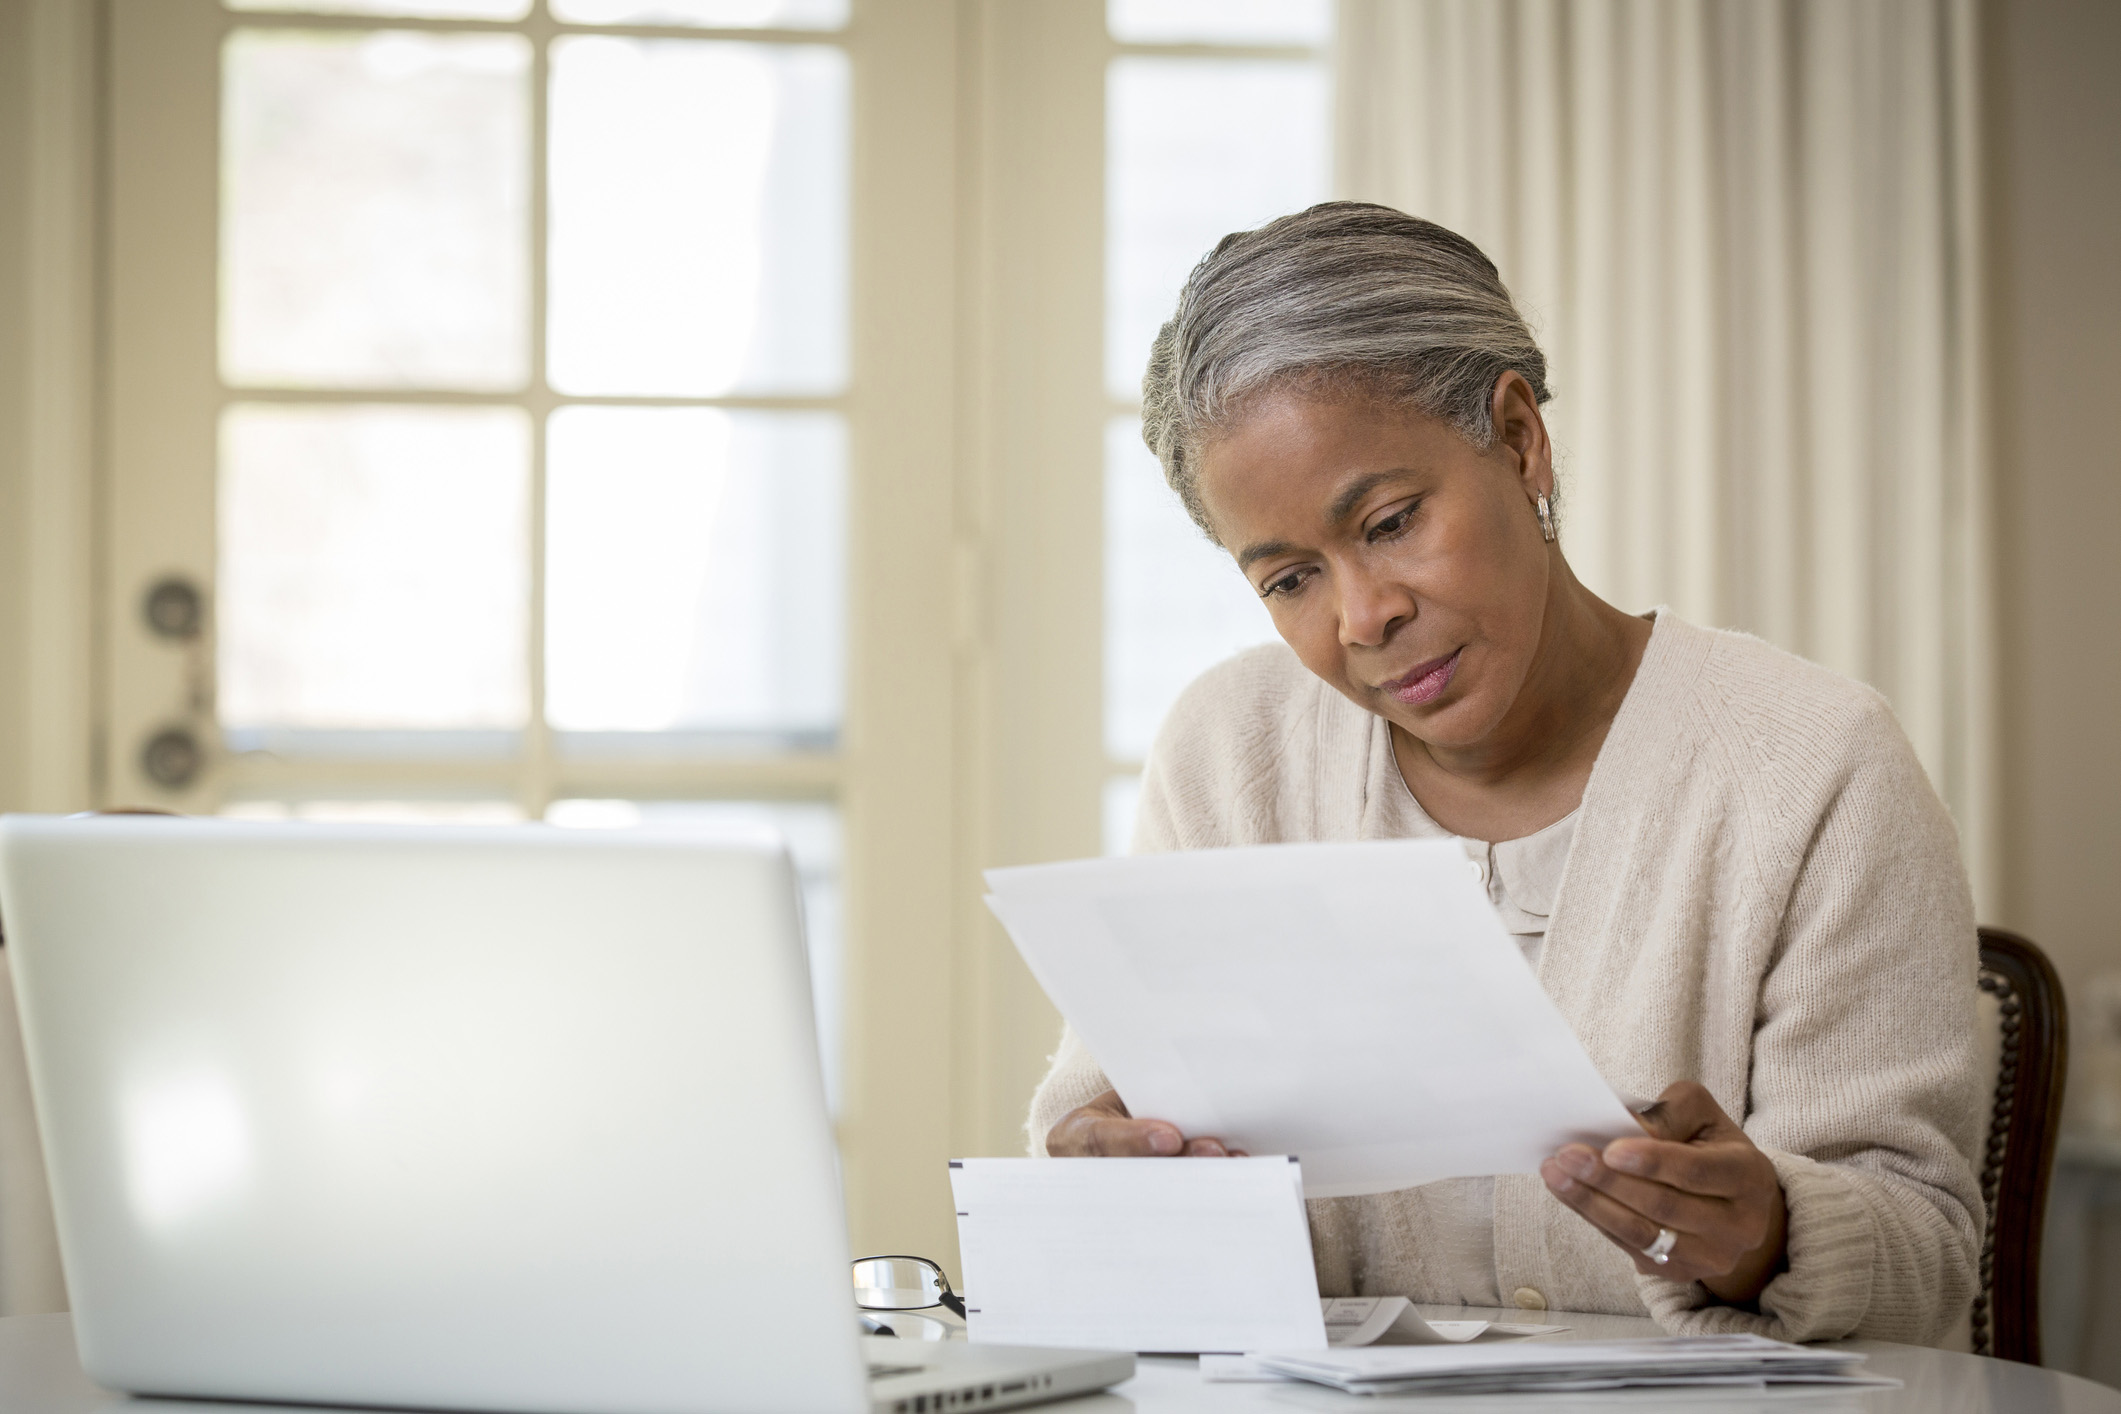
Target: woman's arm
<point>1863,1091</point>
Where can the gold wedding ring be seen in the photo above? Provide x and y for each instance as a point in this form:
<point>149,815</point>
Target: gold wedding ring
<point>1660,1251</point>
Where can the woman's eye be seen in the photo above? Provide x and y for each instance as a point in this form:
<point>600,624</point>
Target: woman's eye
<point>1394,523</point>
<point>1287,584</point>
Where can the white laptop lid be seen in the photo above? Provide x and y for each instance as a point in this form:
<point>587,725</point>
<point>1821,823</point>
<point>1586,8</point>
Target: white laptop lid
<point>515,1118</point>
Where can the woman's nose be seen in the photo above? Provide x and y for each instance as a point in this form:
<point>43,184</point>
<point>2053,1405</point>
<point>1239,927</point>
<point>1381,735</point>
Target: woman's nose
<point>1370,608</point>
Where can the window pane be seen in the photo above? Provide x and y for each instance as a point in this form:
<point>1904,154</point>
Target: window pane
<point>699,215</point>
<point>1123,796</point>
<point>1196,149</point>
<point>375,209</point>
<point>1175,605</point>
<point>718,14</point>
<point>411,9</point>
<point>373,567</point>
<point>1220,21</point>
<point>694,571</point>
<point>812,830</point>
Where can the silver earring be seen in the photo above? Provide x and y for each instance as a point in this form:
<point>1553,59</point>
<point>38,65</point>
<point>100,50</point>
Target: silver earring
<point>1546,519</point>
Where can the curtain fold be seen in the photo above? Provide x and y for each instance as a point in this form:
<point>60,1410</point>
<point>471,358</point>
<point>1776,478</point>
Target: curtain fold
<point>1746,232</point>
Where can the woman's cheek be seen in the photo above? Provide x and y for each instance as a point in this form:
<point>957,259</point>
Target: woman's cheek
<point>1314,635</point>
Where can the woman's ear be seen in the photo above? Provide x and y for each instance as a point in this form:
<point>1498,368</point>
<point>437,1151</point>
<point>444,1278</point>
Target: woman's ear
<point>1513,412</point>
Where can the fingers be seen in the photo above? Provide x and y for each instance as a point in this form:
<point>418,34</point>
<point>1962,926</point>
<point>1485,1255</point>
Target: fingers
<point>1693,1256</point>
<point>1663,1205</point>
<point>1718,1237</point>
<point>1149,1139</point>
<point>1104,1129</point>
<point>1685,1111</point>
<point>1135,1139</point>
<point>1717,1170</point>
<point>1696,1173</point>
<point>1625,1226</point>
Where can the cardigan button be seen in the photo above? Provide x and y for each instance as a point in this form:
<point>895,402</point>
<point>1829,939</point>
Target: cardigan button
<point>1528,1298</point>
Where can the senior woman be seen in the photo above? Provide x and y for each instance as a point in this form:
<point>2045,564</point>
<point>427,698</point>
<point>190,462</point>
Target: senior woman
<point>1725,863</point>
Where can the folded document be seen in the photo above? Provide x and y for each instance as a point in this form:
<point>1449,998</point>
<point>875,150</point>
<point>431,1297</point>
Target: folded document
<point>1358,1005</point>
<point>1170,1255</point>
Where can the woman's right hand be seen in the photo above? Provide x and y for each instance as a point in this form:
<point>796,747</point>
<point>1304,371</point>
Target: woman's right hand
<point>1104,1129</point>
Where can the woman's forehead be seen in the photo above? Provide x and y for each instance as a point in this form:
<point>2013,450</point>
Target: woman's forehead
<point>1320,458</point>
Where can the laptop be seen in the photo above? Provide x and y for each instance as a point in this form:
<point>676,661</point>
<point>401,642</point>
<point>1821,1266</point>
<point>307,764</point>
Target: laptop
<point>451,1118</point>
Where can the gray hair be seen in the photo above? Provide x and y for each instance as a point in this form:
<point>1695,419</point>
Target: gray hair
<point>1345,298</point>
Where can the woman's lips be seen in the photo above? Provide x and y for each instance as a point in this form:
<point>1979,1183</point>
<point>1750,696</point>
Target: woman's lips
<point>1426,682</point>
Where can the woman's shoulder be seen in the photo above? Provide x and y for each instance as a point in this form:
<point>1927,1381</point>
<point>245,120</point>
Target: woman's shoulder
<point>1794,729</point>
<point>1771,697</point>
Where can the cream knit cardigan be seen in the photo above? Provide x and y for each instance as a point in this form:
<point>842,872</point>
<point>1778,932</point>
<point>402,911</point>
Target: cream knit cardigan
<point>1764,895</point>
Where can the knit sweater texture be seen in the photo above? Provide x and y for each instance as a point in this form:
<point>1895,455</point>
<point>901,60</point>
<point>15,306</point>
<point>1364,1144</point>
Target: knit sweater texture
<point>1764,894</point>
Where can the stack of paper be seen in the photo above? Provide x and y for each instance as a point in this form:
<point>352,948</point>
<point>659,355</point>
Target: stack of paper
<point>1719,1360</point>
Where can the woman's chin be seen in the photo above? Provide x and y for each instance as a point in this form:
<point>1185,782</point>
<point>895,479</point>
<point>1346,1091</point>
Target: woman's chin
<point>1450,723</point>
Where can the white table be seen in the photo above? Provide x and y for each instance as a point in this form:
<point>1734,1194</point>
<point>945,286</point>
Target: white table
<point>39,1374</point>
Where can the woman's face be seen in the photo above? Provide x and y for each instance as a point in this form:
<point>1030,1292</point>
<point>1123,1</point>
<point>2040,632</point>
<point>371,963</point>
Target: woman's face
<point>1405,566</point>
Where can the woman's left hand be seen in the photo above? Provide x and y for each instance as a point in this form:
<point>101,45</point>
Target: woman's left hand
<point>1698,1175</point>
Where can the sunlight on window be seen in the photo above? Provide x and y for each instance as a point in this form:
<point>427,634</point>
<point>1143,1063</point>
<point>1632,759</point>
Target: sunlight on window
<point>695,574</point>
<point>375,194</point>
<point>1196,149</point>
<point>1175,604</point>
<point>1123,795</point>
<point>1308,22</point>
<point>374,566</point>
<point>698,217</point>
<point>727,14</point>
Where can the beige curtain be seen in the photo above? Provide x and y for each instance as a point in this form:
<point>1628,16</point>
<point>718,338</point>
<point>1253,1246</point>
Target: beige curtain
<point>1746,231</point>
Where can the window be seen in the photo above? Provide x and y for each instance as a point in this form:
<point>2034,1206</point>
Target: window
<point>532,449</point>
<point>1230,132</point>
<point>397,418</point>
<point>491,373</point>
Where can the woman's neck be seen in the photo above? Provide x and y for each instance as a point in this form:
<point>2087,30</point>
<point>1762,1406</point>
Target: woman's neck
<point>1532,769</point>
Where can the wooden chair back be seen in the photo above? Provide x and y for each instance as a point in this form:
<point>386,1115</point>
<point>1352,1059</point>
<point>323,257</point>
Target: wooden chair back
<point>2024,1118</point>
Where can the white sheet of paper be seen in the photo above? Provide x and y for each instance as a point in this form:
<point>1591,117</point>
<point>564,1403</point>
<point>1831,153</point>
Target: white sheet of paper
<point>1149,1255</point>
<point>1358,1005</point>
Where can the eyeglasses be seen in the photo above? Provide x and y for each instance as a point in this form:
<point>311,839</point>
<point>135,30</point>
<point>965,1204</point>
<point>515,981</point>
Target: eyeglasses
<point>903,1284</point>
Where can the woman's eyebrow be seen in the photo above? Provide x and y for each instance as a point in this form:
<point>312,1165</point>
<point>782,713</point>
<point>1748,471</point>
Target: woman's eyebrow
<point>1261,551</point>
<point>1351,495</point>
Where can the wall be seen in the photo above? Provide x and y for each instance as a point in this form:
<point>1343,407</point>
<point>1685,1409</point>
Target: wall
<point>2055,183</point>
<point>14,287</point>
<point>47,373</point>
